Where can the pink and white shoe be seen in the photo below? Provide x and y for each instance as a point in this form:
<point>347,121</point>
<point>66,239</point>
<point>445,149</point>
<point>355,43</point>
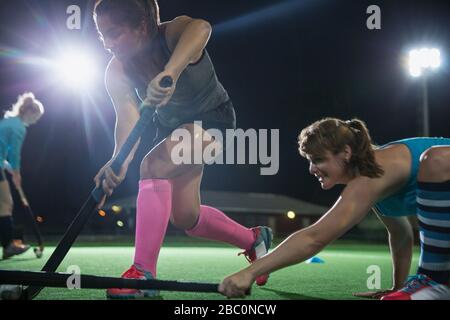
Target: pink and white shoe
<point>420,287</point>
<point>133,273</point>
<point>261,246</point>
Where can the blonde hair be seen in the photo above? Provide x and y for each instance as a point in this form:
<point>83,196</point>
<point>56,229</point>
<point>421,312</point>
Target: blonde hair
<point>25,102</point>
<point>333,134</point>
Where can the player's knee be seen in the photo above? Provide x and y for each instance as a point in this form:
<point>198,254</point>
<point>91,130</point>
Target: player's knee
<point>154,167</point>
<point>184,219</point>
<point>6,208</point>
<point>434,165</point>
<point>5,212</point>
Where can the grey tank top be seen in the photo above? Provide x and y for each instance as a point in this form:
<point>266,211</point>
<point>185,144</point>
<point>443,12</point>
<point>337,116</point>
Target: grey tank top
<point>197,90</point>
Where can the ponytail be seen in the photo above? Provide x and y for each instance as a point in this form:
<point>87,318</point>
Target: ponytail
<point>363,155</point>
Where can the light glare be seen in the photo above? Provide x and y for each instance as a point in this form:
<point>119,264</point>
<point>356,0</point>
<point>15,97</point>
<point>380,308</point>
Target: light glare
<point>422,59</point>
<point>116,209</point>
<point>76,69</point>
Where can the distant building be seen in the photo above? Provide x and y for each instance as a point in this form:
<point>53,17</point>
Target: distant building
<point>283,214</point>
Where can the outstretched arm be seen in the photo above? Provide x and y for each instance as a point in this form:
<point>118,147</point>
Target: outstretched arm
<point>123,97</point>
<point>401,241</point>
<point>127,115</point>
<point>351,207</point>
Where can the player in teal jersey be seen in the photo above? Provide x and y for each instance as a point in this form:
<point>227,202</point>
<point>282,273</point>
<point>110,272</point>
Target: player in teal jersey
<point>402,178</point>
<point>13,128</point>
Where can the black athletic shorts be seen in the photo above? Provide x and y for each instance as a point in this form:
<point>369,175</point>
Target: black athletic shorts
<point>223,117</point>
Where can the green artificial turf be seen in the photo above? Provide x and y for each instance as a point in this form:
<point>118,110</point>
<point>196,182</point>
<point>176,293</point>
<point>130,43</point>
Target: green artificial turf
<point>344,270</point>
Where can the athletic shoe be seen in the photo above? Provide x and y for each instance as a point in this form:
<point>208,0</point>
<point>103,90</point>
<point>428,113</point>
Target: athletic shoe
<point>420,287</point>
<point>14,249</point>
<point>133,273</point>
<point>17,242</point>
<point>10,292</point>
<point>260,247</point>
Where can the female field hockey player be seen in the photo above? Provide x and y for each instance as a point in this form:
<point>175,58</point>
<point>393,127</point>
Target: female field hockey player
<point>144,52</point>
<point>386,178</point>
<point>13,128</point>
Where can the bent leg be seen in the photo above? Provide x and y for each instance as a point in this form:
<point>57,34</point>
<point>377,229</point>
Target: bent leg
<point>154,203</point>
<point>6,206</point>
<point>433,203</point>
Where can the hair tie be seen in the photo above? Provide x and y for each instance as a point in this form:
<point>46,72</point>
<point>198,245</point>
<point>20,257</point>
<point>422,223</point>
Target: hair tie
<point>350,125</point>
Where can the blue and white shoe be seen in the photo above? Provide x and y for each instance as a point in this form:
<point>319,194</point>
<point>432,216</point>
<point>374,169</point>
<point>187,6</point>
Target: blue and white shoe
<point>420,287</point>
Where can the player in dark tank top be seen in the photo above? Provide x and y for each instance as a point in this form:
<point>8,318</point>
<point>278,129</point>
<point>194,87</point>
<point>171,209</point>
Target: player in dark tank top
<point>144,52</point>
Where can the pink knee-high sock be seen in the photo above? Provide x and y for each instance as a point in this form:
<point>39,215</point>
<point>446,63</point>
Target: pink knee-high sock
<point>215,225</point>
<point>152,216</point>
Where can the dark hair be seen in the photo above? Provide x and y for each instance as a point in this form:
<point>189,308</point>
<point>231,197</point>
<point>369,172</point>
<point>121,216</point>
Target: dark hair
<point>130,12</point>
<point>333,135</point>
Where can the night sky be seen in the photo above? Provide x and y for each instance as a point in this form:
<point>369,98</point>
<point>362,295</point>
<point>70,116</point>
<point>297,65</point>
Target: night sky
<point>284,63</point>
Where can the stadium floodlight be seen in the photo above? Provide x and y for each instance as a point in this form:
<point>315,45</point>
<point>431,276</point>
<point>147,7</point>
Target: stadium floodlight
<point>421,62</point>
